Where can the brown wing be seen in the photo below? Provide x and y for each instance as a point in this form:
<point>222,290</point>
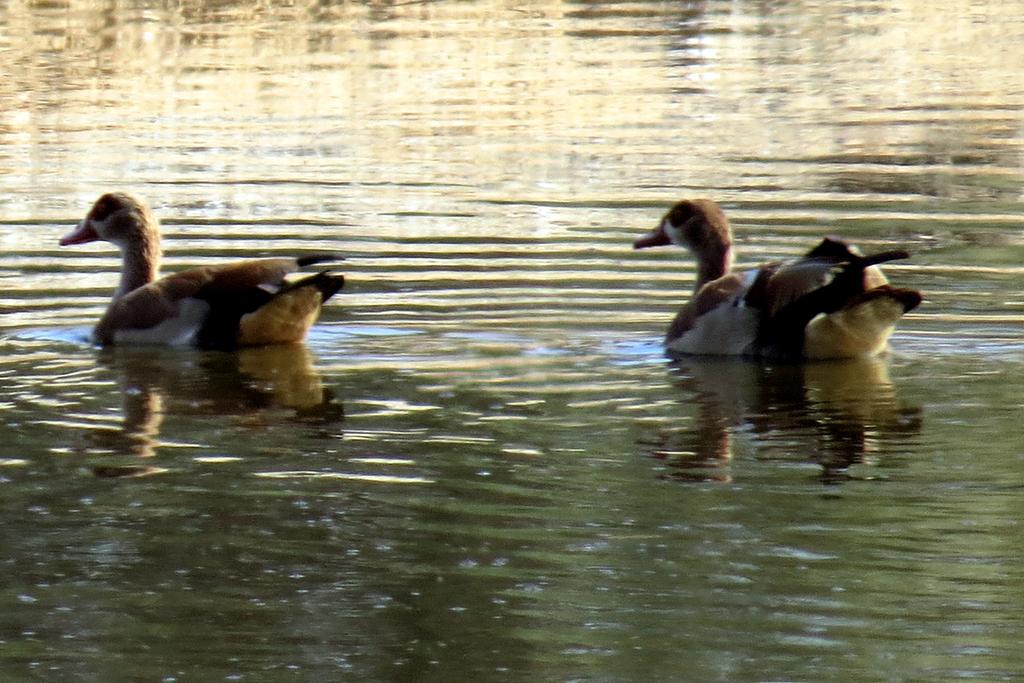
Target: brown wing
<point>158,301</point>
<point>236,277</point>
<point>793,280</point>
<point>710,296</point>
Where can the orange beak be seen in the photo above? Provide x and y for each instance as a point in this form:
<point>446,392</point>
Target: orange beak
<point>82,233</point>
<point>655,238</point>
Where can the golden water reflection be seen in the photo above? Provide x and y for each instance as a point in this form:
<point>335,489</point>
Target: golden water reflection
<point>241,387</point>
<point>832,414</point>
<point>484,167</point>
<point>541,99</point>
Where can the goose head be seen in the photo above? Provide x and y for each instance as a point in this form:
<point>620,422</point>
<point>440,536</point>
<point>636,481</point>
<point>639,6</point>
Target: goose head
<point>128,224</point>
<point>700,226</point>
<point>118,218</point>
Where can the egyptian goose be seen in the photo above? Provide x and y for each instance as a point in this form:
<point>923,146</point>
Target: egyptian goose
<point>831,303</point>
<point>247,303</point>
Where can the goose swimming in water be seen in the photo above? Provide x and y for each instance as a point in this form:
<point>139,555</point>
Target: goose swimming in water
<point>831,303</point>
<point>246,303</point>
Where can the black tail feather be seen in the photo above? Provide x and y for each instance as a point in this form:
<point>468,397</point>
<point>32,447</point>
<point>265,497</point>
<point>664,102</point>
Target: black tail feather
<point>833,249</point>
<point>785,329</point>
<point>313,259</point>
<point>883,257</point>
<point>329,283</point>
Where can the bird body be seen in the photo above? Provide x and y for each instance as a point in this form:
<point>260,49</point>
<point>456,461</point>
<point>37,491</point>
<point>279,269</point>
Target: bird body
<point>831,303</point>
<point>247,303</point>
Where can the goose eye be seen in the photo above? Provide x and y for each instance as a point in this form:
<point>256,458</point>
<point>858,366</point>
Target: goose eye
<point>672,231</point>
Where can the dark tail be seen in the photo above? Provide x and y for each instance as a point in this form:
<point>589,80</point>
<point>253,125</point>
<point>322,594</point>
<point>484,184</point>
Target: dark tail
<point>882,257</point>
<point>783,333</point>
<point>908,298</point>
<point>847,283</point>
<point>325,281</point>
<point>313,259</point>
<point>833,249</point>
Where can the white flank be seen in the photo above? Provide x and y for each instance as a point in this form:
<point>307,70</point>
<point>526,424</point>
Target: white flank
<point>728,330</point>
<point>180,330</point>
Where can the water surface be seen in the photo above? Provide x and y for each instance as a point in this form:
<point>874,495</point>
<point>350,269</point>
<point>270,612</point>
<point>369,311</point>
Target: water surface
<point>480,466</point>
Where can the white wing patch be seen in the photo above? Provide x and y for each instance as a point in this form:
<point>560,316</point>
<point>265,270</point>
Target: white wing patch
<point>181,330</point>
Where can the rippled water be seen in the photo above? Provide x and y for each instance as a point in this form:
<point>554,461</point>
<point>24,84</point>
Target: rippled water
<point>480,466</point>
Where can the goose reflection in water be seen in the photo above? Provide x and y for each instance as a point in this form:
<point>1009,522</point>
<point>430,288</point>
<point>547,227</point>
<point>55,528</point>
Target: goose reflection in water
<point>250,387</point>
<point>834,414</point>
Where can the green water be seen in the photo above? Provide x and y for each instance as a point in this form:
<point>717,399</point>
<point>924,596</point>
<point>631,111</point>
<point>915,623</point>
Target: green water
<point>480,466</point>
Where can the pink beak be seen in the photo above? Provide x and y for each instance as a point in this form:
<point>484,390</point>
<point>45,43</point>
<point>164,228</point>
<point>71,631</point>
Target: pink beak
<point>82,233</point>
<point>655,238</point>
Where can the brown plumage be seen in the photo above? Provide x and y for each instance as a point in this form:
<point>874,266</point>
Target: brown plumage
<point>247,303</point>
<point>831,303</point>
